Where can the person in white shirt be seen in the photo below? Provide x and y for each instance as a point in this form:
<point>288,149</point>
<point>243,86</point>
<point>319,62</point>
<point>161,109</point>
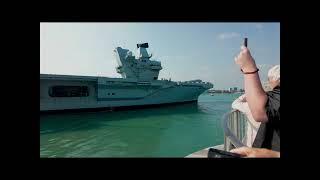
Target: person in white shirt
<point>241,105</point>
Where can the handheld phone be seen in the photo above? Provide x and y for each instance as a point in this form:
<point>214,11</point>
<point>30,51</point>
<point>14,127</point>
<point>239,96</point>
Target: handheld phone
<point>245,43</point>
<point>216,153</point>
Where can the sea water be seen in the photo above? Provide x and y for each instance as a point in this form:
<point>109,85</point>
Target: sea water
<point>168,131</point>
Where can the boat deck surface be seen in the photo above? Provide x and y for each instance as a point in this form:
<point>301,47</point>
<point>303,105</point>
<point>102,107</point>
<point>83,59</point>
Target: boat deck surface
<point>204,152</point>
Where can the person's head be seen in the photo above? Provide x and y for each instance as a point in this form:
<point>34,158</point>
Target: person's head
<point>274,76</point>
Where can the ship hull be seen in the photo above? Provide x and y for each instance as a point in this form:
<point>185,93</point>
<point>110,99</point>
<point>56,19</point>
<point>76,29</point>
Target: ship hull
<point>114,93</point>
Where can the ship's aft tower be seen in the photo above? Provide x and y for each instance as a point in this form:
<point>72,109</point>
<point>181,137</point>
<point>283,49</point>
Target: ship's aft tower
<point>140,68</point>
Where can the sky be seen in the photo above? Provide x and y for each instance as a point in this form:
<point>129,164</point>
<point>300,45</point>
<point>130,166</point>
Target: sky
<point>187,51</point>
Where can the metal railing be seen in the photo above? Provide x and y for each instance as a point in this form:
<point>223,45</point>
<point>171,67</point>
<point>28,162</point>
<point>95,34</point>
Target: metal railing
<point>235,125</point>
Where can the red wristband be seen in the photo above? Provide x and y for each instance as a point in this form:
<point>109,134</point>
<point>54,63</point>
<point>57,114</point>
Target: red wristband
<point>250,72</point>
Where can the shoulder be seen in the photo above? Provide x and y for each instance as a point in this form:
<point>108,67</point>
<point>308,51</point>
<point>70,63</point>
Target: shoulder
<point>274,97</point>
<point>273,102</point>
<point>241,106</point>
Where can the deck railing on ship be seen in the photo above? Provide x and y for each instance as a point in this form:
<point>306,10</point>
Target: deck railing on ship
<point>235,129</point>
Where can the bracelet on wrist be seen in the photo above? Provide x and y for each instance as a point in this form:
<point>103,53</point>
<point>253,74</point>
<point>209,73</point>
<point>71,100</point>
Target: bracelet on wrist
<point>250,72</point>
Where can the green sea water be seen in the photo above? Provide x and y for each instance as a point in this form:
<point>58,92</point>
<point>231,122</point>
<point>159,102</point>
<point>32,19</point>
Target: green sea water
<point>171,131</point>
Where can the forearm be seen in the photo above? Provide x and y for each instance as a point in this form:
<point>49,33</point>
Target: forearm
<point>274,153</point>
<point>256,96</point>
<point>256,152</point>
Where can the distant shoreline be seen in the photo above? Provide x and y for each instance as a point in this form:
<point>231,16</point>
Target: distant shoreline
<point>224,92</point>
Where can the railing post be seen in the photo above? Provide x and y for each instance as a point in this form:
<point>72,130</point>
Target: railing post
<point>240,126</point>
<point>234,127</point>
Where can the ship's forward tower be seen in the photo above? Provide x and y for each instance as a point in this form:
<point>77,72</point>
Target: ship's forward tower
<point>140,68</point>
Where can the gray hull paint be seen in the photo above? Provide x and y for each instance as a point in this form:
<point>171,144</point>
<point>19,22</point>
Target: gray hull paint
<point>159,92</point>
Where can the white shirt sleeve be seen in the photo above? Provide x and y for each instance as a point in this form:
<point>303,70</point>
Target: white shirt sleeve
<point>240,105</point>
<point>243,107</point>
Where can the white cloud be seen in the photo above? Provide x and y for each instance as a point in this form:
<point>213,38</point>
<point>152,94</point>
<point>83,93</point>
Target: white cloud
<point>228,35</point>
<point>259,26</point>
